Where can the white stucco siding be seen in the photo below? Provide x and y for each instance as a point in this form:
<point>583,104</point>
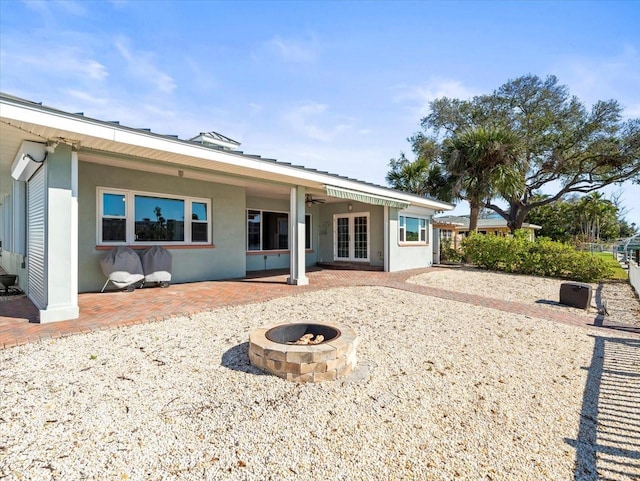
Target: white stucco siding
<point>224,260</point>
<point>404,256</point>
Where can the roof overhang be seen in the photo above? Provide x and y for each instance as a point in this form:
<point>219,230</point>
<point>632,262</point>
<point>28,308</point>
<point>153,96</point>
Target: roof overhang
<point>30,121</point>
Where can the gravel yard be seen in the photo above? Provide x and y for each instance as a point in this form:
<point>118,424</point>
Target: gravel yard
<point>444,391</point>
<point>619,297</point>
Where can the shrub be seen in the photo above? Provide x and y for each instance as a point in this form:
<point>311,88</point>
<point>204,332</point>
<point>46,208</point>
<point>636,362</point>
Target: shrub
<point>448,253</point>
<point>544,257</point>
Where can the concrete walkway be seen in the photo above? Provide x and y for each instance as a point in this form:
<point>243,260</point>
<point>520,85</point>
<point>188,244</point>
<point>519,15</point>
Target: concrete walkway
<point>18,317</point>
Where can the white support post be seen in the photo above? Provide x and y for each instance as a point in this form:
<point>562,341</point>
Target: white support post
<point>297,274</point>
<point>62,236</point>
<point>386,247</point>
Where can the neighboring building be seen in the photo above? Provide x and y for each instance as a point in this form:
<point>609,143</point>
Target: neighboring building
<point>73,187</point>
<point>456,228</point>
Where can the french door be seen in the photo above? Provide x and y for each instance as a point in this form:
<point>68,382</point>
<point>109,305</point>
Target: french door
<point>351,237</point>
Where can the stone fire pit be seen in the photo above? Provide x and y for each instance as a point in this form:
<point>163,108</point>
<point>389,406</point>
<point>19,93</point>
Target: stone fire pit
<point>280,350</point>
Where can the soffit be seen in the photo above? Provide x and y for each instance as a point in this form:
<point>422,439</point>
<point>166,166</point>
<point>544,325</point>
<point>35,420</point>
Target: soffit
<point>27,120</point>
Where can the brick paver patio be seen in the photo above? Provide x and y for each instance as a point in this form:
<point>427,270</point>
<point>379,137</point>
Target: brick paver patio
<point>18,317</point>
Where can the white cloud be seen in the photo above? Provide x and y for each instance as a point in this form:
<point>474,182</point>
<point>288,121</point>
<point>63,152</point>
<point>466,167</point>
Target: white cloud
<point>46,8</point>
<point>419,96</point>
<point>632,111</point>
<point>141,66</point>
<point>594,78</point>
<point>39,6</point>
<point>94,69</point>
<point>86,97</point>
<point>297,51</point>
<point>72,8</point>
<point>60,60</point>
<point>306,119</point>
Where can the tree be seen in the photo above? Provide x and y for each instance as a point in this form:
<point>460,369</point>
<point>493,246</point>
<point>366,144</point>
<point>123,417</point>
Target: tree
<point>422,176</point>
<point>409,176</point>
<point>597,218</point>
<point>480,163</point>
<point>563,143</point>
<point>590,218</point>
<point>556,219</point>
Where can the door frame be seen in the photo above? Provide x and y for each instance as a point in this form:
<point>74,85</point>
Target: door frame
<point>351,216</point>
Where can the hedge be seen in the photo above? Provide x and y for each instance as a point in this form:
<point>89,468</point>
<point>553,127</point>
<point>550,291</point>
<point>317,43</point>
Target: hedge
<point>543,257</point>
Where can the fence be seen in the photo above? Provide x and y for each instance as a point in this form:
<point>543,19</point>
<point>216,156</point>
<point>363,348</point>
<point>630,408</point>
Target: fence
<point>634,276</point>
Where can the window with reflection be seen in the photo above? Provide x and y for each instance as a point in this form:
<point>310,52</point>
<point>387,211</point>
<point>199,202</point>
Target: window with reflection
<point>158,219</point>
<point>114,217</point>
<point>267,230</point>
<point>412,229</point>
<point>128,217</point>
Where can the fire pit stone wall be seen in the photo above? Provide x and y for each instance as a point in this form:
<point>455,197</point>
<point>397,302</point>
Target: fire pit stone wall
<point>327,361</point>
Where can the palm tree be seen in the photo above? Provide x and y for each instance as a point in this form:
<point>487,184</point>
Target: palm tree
<point>424,176</point>
<point>596,214</point>
<point>483,163</point>
<point>409,176</point>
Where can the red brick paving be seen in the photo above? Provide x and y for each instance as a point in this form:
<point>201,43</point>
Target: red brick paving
<point>18,318</point>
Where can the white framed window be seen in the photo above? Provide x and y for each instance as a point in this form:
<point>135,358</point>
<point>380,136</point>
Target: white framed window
<point>269,230</point>
<point>145,218</point>
<point>446,234</point>
<point>412,230</point>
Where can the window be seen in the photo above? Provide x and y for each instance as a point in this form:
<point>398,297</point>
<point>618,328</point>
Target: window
<point>199,222</point>
<point>114,217</point>
<point>412,229</point>
<point>270,230</point>
<point>158,219</point>
<point>127,217</point>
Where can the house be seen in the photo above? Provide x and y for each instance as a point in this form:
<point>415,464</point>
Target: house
<point>456,228</point>
<point>73,187</point>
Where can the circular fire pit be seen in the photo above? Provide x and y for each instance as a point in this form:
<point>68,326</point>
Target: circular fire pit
<point>304,352</point>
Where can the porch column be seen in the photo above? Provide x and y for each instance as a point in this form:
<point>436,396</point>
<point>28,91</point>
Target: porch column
<point>386,245</point>
<point>297,238</point>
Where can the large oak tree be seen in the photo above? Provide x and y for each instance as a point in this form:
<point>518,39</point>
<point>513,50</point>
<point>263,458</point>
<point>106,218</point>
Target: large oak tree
<point>565,148</point>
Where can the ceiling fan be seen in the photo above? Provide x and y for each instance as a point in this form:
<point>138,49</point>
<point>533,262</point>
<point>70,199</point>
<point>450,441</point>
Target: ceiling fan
<point>309,200</point>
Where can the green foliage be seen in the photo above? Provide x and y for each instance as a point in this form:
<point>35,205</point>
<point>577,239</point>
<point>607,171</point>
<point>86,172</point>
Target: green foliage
<point>422,176</point>
<point>590,218</point>
<point>561,142</point>
<point>483,163</point>
<point>543,257</point>
<point>617,271</point>
<point>448,253</point>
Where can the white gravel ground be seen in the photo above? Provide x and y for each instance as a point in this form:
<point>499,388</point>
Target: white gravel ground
<point>618,297</point>
<point>445,391</point>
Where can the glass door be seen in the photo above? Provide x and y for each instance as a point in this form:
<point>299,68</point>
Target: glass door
<point>351,237</point>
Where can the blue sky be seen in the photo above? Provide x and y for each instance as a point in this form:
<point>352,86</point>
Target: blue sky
<point>337,86</point>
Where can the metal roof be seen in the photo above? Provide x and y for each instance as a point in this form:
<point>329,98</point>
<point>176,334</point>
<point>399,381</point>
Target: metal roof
<point>463,221</point>
<point>28,117</point>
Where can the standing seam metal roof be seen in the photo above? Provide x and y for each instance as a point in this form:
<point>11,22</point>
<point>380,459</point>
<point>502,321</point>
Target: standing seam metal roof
<point>148,131</point>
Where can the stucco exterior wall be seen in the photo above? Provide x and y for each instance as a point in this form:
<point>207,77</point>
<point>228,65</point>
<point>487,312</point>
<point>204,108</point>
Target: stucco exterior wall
<point>227,260</point>
<point>376,229</point>
<point>403,257</point>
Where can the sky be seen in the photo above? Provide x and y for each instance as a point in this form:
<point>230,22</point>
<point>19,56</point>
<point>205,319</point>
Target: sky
<point>332,85</point>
